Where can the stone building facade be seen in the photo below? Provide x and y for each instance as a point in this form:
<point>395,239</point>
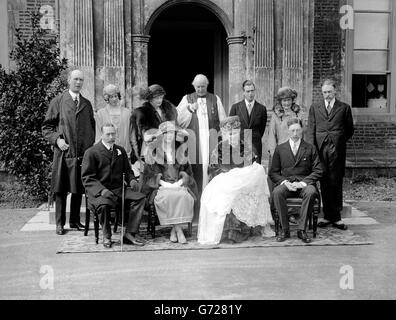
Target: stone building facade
<point>275,43</point>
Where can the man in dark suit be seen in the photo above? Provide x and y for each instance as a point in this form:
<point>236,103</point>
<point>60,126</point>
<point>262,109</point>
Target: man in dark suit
<point>253,116</point>
<point>69,126</point>
<point>294,171</point>
<point>330,126</point>
<point>102,172</point>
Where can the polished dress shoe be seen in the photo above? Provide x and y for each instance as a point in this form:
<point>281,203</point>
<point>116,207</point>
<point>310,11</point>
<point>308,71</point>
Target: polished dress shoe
<point>293,220</point>
<point>283,235</point>
<point>130,239</point>
<point>324,224</point>
<point>107,243</point>
<point>140,239</point>
<point>59,230</point>
<point>78,226</point>
<point>301,234</point>
<point>341,226</point>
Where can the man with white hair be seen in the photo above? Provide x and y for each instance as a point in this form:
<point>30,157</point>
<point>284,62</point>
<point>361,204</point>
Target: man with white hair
<point>200,112</point>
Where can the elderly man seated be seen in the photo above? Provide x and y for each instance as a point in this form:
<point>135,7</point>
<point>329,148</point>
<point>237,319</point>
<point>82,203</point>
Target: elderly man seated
<point>294,171</point>
<point>102,172</point>
<point>236,198</point>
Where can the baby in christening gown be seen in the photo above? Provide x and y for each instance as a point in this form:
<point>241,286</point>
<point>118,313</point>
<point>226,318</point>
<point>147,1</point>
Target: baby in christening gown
<point>236,198</point>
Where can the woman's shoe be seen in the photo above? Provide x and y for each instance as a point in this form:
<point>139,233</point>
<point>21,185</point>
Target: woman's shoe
<point>173,236</point>
<point>180,235</point>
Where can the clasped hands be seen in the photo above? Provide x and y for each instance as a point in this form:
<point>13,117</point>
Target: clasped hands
<point>176,184</point>
<point>294,186</point>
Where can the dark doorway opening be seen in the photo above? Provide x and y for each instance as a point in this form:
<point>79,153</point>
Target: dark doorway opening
<point>187,39</point>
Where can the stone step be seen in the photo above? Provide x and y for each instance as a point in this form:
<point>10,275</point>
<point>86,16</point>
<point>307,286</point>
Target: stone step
<point>52,211</point>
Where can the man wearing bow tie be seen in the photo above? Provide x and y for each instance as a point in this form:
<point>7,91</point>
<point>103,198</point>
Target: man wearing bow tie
<point>253,116</point>
<point>69,126</point>
<point>102,172</point>
<point>330,126</point>
<point>294,171</point>
<point>201,112</point>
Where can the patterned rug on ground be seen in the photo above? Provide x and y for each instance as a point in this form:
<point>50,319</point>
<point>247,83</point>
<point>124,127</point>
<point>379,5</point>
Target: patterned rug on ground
<point>75,242</point>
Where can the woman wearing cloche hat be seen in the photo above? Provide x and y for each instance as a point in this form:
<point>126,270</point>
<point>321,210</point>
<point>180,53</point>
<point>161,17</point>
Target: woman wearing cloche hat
<point>168,177</point>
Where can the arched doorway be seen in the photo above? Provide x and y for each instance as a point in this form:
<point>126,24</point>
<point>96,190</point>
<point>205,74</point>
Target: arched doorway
<point>187,39</point>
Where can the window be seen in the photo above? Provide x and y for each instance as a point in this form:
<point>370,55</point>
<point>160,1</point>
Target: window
<point>371,54</point>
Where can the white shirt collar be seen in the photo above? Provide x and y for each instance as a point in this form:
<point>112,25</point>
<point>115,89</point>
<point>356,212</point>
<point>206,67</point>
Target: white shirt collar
<point>292,143</point>
<point>331,103</point>
<point>74,95</point>
<point>107,146</point>
<point>251,103</point>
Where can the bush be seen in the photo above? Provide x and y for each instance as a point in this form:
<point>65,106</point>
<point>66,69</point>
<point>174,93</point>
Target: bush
<point>25,94</point>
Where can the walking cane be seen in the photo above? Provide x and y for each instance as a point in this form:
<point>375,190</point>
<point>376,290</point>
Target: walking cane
<point>122,210</point>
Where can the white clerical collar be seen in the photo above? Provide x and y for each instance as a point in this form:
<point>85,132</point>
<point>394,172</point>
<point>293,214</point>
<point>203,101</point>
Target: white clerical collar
<point>107,146</point>
<point>74,95</point>
<point>251,103</point>
<point>292,143</point>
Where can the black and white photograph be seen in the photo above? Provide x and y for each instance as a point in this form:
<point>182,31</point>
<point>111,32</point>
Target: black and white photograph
<point>197,154</point>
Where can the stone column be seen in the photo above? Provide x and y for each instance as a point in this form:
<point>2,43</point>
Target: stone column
<point>297,49</point>
<point>114,44</point>
<point>140,65</point>
<point>264,62</point>
<point>5,48</point>
<point>237,66</point>
<point>77,44</point>
<point>128,53</point>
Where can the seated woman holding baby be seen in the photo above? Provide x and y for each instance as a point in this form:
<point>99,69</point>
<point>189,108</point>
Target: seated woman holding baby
<point>236,199</point>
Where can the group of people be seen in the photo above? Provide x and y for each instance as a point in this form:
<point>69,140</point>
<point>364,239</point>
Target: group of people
<point>194,161</point>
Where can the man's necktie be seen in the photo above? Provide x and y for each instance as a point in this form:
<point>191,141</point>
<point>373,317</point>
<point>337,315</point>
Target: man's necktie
<point>294,149</point>
<point>249,108</point>
<point>328,108</point>
<point>76,101</point>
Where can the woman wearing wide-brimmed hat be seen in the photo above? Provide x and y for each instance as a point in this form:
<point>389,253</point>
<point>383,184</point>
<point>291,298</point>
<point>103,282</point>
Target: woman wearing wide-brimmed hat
<point>170,177</point>
<point>154,111</point>
<point>284,109</point>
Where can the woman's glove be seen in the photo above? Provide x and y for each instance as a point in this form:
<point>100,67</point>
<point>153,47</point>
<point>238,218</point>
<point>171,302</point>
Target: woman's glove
<point>185,177</point>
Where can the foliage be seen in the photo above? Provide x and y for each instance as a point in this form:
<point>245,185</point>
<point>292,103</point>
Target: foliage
<point>25,94</point>
<point>362,178</point>
<point>368,188</point>
<point>13,195</point>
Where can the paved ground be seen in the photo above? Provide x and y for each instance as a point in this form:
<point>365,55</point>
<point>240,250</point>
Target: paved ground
<point>257,273</point>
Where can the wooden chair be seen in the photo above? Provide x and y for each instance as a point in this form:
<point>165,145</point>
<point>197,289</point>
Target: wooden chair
<point>295,203</point>
<point>152,218</point>
<point>88,212</point>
